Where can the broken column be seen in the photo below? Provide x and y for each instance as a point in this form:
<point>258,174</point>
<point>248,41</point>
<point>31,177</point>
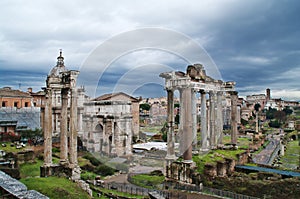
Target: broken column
<point>233,95</point>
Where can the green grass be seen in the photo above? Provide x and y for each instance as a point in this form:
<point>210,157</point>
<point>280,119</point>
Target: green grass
<point>214,156</point>
<point>30,169</point>
<point>154,129</point>
<point>55,187</point>
<point>291,158</point>
<point>147,181</point>
<point>86,175</point>
<point>33,169</point>
<point>241,142</point>
<point>12,149</point>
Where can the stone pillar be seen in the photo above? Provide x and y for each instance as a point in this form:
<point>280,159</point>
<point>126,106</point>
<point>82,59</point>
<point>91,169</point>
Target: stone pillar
<point>219,121</point>
<point>212,102</point>
<point>48,129</point>
<point>208,122</point>
<point>187,125</point>
<point>73,128</point>
<point>171,136</point>
<point>204,146</point>
<point>180,128</point>
<point>64,127</point>
<point>233,95</point>
<point>194,118</point>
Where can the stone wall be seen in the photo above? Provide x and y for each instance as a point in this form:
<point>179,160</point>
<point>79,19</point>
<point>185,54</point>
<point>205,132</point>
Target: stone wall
<point>183,172</point>
<point>226,167</point>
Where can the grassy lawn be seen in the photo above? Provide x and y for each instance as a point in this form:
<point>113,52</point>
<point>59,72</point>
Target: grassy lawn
<point>55,187</point>
<point>214,156</point>
<point>147,181</point>
<point>241,142</point>
<point>12,149</point>
<point>154,129</point>
<point>291,158</point>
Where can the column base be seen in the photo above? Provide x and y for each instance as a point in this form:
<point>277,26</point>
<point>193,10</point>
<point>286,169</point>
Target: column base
<point>170,157</point>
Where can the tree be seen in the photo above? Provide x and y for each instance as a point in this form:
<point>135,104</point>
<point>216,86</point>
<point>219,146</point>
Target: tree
<point>270,113</point>
<point>145,107</point>
<point>280,116</point>
<point>257,107</point>
<point>287,110</point>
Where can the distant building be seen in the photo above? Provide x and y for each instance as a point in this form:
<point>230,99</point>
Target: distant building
<point>14,98</point>
<point>17,112</point>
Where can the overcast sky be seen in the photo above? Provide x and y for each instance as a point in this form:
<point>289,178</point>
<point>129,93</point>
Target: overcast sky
<point>254,43</point>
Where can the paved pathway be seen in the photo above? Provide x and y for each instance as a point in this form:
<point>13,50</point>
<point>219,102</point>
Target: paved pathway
<point>264,156</point>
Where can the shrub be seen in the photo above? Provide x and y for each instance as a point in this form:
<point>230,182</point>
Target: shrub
<point>92,159</point>
<point>104,170</point>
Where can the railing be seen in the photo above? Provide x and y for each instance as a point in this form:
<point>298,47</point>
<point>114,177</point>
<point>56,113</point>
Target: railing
<point>172,190</point>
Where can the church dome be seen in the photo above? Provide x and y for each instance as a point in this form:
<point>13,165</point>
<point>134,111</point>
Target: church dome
<point>60,67</point>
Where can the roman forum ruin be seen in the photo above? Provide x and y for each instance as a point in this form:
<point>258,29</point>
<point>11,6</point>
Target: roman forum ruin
<point>188,84</point>
<point>63,81</point>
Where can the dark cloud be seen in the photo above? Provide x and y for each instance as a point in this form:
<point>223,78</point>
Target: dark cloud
<point>255,43</point>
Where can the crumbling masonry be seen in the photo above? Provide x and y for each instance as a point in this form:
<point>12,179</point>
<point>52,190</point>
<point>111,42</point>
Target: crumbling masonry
<point>188,84</point>
<point>62,81</point>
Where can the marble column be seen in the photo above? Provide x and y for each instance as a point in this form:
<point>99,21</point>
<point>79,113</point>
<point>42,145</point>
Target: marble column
<point>187,125</point>
<point>233,95</point>
<point>212,119</point>
<point>180,128</point>
<point>194,118</point>
<point>204,145</point>
<point>73,128</point>
<point>48,129</point>
<point>64,127</point>
<point>219,121</point>
<point>170,136</point>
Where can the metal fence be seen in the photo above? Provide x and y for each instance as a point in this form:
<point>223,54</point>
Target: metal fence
<point>173,190</point>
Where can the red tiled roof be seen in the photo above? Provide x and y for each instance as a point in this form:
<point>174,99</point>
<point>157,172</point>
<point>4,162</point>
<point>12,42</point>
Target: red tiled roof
<point>8,92</point>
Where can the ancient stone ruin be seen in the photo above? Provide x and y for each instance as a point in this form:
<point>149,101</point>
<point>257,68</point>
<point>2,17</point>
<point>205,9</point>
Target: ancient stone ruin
<point>188,84</point>
<point>63,81</point>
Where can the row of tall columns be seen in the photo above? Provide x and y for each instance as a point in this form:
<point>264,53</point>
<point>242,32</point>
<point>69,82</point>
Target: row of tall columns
<point>63,128</point>
<point>211,121</point>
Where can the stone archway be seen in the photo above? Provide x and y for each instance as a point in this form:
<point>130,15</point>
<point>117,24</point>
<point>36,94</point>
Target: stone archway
<point>98,138</point>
